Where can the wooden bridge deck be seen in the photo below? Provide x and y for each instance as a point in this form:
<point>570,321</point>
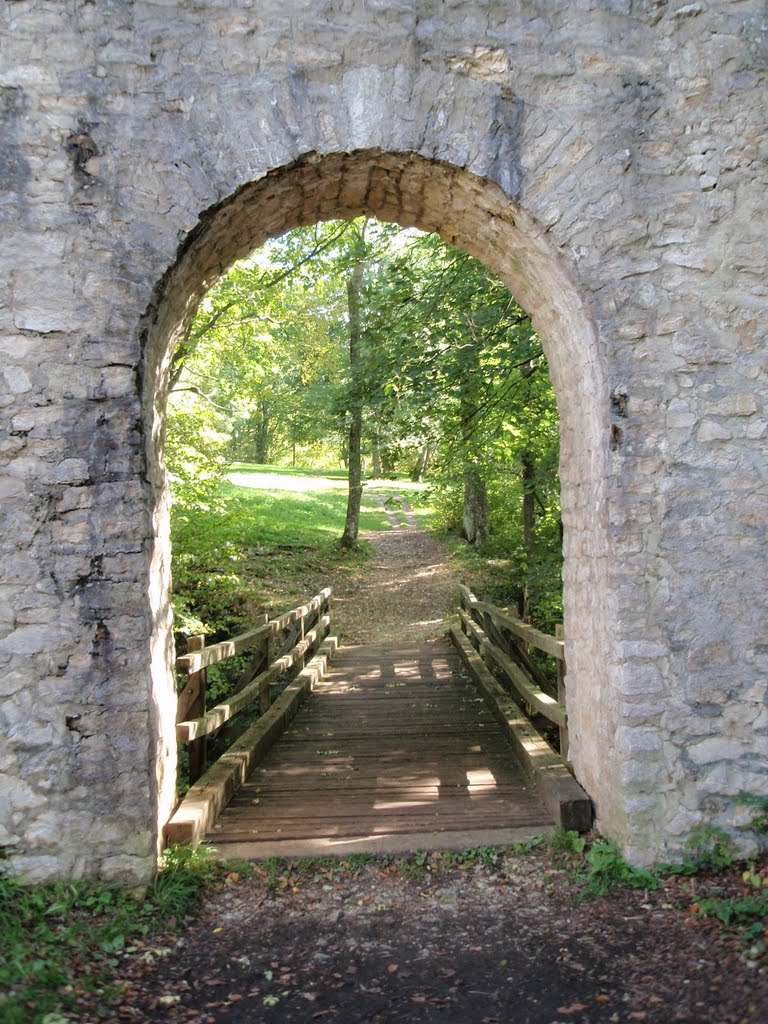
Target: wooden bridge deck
<point>394,751</point>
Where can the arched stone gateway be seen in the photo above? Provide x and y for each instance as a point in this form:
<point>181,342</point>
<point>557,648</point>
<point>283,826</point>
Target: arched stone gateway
<point>606,160</point>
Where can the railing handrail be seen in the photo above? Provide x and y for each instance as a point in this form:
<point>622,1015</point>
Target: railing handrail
<point>304,628</point>
<point>479,618</point>
<point>225,649</point>
<point>215,717</point>
<point>305,646</point>
<point>535,637</point>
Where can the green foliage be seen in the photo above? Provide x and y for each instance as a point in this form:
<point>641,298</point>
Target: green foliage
<point>709,848</point>
<point>566,841</point>
<point>527,846</point>
<point>185,874</point>
<point>745,910</point>
<point>481,856</point>
<point>62,942</point>
<point>606,868</point>
<point>759,806</point>
<point>447,362</point>
<point>271,543</point>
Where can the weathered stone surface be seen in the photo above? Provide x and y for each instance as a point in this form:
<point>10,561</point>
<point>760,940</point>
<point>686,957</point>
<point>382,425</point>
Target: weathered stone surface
<point>607,160</point>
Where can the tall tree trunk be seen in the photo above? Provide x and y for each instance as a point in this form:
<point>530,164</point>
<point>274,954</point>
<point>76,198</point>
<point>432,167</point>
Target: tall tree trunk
<point>417,476</point>
<point>387,463</point>
<point>262,435</point>
<point>354,287</point>
<point>476,515</point>
<point>378,472</point>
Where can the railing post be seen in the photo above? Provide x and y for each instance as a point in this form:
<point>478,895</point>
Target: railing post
<point>261,664</point>
<point>561,669</point>
<point>197,748</point>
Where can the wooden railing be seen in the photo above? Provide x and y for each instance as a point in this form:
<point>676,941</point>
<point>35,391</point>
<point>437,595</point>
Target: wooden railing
<point>503,641</point>
<point>296,642</point>
<point>496,645</point>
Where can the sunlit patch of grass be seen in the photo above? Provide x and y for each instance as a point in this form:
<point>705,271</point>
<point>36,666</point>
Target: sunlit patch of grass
<point>269,542</point>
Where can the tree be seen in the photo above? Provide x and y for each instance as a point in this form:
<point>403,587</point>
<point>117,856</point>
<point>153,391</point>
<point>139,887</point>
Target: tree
<point>353,339</point>
<point>355,396</point>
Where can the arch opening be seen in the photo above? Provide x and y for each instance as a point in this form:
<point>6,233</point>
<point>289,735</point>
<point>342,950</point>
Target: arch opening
<point>477,216</point>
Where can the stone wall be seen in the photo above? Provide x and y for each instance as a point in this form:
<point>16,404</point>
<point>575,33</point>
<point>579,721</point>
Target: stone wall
<point>606,159</point>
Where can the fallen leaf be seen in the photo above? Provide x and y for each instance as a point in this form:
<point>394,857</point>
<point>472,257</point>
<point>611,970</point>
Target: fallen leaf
<point>572,1009</point>
<point>392,969</point>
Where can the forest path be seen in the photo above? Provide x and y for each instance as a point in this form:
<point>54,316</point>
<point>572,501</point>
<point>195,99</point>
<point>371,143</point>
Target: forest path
<point>405,593</point>
<point>489,937</point>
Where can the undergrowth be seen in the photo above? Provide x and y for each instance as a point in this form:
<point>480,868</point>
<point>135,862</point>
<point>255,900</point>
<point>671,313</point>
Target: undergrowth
<point>61,944</point>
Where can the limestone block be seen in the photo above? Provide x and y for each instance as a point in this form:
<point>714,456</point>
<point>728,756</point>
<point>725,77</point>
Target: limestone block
<point>712,430</point>
<point>45,302</point>
<point>715,749</point>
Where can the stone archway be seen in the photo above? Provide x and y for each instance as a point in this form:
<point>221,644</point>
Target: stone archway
<point>476,215</point>
<point>607,165</point>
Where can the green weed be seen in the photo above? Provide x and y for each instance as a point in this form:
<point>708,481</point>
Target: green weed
<point>606,868</point>
<point>759,805</point>
<point>566,841</point>
<point>708,848</point>
<point>481,856</point>
<point>61,942</point>
<point>527,846</point>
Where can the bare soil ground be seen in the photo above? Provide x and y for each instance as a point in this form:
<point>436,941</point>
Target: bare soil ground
<point>426,939</point>
<point>398,941</point>
<point>404,594</point>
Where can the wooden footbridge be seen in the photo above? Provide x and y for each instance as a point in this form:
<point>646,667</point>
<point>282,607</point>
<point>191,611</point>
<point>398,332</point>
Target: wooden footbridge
<point>384,750</point>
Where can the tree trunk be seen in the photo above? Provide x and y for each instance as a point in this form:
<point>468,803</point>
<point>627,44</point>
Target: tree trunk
<point>476,515</point>
<point>354,287</point>
<point>378,472</point>
<point>417,476</point>
<point>262,435</point>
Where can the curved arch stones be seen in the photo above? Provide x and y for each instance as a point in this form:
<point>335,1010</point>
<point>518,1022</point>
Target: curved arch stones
<point>606,163</point>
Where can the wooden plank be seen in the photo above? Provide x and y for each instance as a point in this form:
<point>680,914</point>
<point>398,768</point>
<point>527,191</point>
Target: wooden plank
<point>189,696</point>
<point>193,662</point>
<point>198,750</point>
<point>566,800</point>
<point>283,621</point>
<point>258,664</point>
<point>205,800</point>
<point>530,693</point>
<point>375,827</point>
<point>531,635</point>
<point>565,742</point>
<point>517,649</point>
<point>221,713</point>
<point>365,763</point>
<point>543,702</point>
<point>196,661</point>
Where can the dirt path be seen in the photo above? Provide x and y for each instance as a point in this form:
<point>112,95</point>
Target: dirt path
<point>500,938</point>
<point>422,940</point>
<point>405,593</point>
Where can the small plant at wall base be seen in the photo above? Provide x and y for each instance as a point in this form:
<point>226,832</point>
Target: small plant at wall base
<point>62,943</point>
